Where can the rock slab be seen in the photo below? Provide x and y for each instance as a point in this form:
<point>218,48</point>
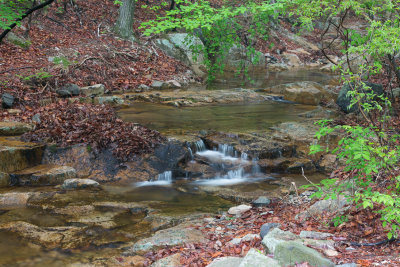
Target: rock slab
<point>255,258</point>
<point>291,252</point>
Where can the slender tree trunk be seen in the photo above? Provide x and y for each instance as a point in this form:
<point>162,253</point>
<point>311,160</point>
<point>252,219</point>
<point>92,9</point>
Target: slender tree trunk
<point>124,24</point>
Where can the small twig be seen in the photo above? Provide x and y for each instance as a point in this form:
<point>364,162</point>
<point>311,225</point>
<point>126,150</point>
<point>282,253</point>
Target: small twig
<point>98,29</point>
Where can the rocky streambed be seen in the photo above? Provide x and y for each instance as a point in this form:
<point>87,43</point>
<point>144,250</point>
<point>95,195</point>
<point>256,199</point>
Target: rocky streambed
<point>70,206</point>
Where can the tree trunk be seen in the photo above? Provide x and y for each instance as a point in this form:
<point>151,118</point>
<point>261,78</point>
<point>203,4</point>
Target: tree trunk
<point>124,24</point>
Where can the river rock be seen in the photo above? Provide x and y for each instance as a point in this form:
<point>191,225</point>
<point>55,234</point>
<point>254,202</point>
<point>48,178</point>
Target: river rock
<point>178,235</point>
<point>133,207</point>
<point>158,84</point>
<point>275,237</point>
<point>246,238</point>
<point>68,90</point>
<point>14,200</point>
<point>261,202</point>
<point>48,237</point>
<point>5,179</point>
<point>166,157</point>
<point>170,261</point>
<point>324,206</point>
<point>328,163</point>
<point>7,100</point>
<point>226,261</point>
<point>93,90</point>
<point>343,101</point>
<point>266,227</point>
<point>79,184</point>
<point>45,175</point>
<point>239,210</point>
<point>255,258</point>
<point>292,59</point>
<point>290,253</point>
<point>11,128</point>
<point>276,67</point>
<point>111,100</point>
<point>143,87</point>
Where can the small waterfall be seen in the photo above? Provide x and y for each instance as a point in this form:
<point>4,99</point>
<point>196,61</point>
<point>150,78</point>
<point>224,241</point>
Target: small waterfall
<point>235,174</point>
<point>165,176</point>
<point>191,153</point>
<point>227,150</point>
<point>255,169</point>
<point>200,146</point>
<point>244,156</point>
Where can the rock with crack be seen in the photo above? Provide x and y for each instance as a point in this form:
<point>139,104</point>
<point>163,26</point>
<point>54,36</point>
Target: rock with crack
<point>48,237</point>
<point>178,235</point>
<point>45,175</point>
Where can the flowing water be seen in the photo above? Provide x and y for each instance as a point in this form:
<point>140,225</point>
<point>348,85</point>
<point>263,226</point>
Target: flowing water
<point>106,233</point>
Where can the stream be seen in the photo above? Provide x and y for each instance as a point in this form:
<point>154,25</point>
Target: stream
<point>98,230</point>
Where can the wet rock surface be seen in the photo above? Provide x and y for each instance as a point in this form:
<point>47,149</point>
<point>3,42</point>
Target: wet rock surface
<point>11,128</point>
<point>181,234</point>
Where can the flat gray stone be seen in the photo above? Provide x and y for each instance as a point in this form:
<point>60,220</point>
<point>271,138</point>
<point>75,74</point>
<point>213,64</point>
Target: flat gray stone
<point>93,90</point>
<point>225,262</point>
<point>255,258</point>
<point>261,202</point>
<point>79,184</point>
<point>275,237</point>
<point>292,252</point>
<point>174,236</point>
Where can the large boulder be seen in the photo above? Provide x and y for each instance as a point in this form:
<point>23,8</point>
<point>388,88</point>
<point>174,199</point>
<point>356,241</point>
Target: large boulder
<point>291,253</point>
<point>225,261</point>
<point>237,57</point>
<point>255,258</point>
<point>178,46</point>
<point>344,100</point>
<point>307,93</point>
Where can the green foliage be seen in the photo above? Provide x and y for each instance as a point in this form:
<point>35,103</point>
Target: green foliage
<point>364,154</point>
<point>221,28</point>
<point>11,10</point>
<point>64,62</point>
<point>38,78</point>
<point>369,153</point>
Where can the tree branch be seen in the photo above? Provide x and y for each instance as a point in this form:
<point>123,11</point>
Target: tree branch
<point>27,13</point>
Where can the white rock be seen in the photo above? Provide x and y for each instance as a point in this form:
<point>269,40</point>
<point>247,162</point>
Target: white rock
<point>239,210</point>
